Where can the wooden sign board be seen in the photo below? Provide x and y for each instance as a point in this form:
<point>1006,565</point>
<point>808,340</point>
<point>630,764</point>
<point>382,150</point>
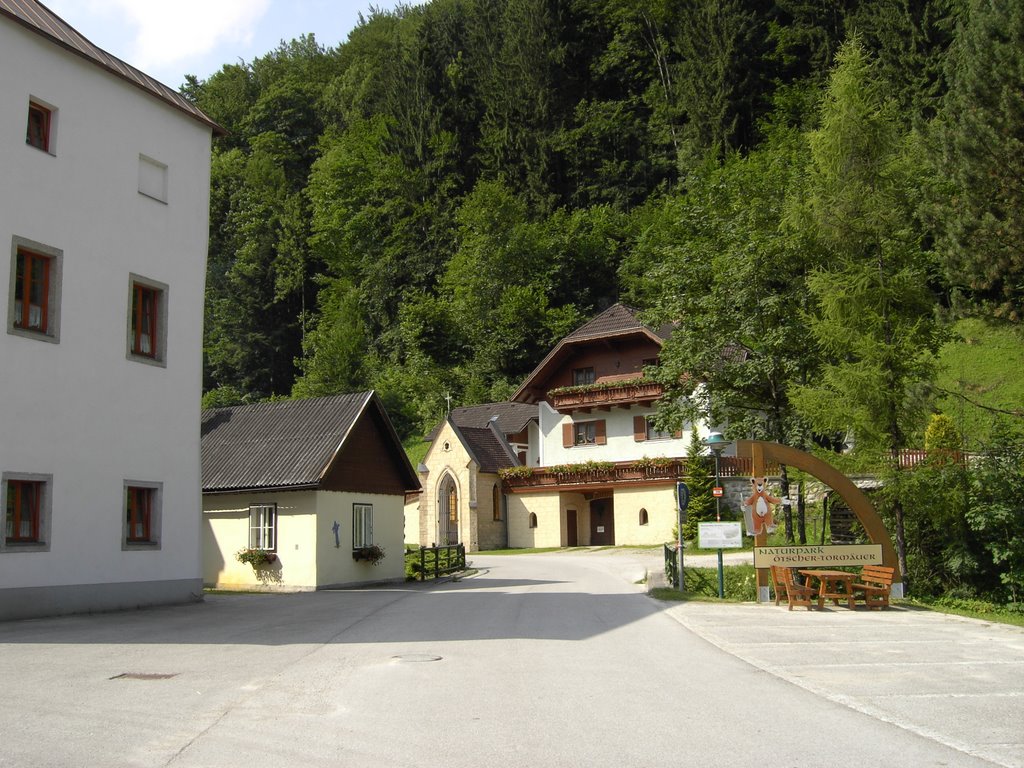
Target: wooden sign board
<point>826,556</point>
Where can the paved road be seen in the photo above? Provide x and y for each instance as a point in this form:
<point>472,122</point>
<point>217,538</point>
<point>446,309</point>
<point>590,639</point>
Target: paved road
<point>546,660</point>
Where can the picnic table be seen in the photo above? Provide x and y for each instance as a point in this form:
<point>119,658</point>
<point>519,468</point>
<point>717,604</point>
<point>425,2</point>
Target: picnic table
<point>829,583</point>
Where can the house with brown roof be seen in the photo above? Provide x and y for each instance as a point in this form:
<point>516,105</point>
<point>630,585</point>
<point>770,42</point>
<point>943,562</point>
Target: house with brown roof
<point>462,500</point>
<point>313,486</point>
<point>592,468</point>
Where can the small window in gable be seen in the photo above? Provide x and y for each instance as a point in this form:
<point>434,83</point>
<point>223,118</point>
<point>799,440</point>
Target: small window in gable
<point>147,321</point>
<point>41,122</point>
<point>152,178</point>
<point>582,376</point>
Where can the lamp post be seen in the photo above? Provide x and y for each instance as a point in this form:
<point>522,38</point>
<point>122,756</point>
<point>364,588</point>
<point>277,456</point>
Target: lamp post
<point>717,443</point>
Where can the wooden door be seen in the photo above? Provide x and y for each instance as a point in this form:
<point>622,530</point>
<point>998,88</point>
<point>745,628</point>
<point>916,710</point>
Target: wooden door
<point>602,523</point>
<point>572,536</point>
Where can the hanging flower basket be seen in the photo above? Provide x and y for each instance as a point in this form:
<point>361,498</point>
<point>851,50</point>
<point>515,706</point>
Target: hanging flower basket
<point>373,554</point>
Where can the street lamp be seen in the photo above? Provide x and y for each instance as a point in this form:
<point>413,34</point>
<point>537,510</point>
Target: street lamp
<point>717,443</point>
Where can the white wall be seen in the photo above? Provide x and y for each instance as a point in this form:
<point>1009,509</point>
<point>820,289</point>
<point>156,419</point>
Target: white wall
<point>79,409</point>
<point>619,429</point>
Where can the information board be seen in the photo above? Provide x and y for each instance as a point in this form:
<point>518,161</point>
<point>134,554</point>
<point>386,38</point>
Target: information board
<point>719,536</point>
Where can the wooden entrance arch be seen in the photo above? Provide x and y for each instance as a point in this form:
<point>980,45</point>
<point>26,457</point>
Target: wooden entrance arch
<point>760,453</point>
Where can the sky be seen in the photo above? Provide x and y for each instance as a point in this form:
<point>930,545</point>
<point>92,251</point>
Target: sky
<point>168,39</point>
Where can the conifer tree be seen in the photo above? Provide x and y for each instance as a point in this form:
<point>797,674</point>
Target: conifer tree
<point>699,480</point>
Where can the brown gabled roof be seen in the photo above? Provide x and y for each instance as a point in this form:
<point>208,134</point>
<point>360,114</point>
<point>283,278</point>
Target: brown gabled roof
<point>38,18</point>
<point>487,448</point>
<point>288,444</point>
<point>617,321</point>
<point>512,417</point>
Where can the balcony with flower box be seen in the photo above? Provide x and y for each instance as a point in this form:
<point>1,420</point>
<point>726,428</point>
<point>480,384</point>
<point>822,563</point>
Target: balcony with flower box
<point>604,394</point>
<point>645,471</point>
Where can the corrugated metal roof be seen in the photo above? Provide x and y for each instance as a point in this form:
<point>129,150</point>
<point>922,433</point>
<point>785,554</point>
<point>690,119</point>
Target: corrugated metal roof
<point>285,444</point>
<point>40,19</point>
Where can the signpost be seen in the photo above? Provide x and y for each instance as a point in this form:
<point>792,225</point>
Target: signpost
<point>682,501</point>
<point>818,557</point>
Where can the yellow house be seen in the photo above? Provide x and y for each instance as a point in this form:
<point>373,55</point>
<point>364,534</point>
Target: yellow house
<point>316,487</point>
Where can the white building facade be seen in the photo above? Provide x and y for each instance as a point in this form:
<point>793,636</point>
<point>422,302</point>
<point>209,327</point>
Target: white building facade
<point>104,222</point>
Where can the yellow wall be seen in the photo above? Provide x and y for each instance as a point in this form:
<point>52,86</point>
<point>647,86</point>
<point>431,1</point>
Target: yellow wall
<point>335,565</point>
<point>660,504</point>
<point>226,530</point>
<point>307,557</point>
<point>549,530</point>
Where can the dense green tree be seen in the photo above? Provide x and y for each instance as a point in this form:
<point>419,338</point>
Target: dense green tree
<point>981,154</point>
<point>874,316</point>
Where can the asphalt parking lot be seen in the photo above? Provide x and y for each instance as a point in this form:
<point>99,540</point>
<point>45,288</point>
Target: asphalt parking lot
<point>540,660</point>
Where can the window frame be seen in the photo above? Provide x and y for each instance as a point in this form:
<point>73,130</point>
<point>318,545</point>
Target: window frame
<point>652,433</point>
<point>154,494</point>
<point>362,525</point>
<point>583,376</point>
<point>156,317</point>
<point>266,526</point>
<point>584,433</point>
<point>43,511</point>
<point>26,251</point>
<point>48,113</point>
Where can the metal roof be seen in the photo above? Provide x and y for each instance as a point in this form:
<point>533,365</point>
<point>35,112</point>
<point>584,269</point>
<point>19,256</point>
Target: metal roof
<point>38,18</point>
<point>512,417</point>
<point>284,444</point>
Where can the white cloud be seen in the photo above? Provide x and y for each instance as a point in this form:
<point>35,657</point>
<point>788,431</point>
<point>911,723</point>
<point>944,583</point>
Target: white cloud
<point>167,33</point>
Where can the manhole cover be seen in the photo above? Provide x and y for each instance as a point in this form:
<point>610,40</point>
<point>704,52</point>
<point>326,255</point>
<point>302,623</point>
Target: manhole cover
<point>143,676</point>
<point>415,657</point>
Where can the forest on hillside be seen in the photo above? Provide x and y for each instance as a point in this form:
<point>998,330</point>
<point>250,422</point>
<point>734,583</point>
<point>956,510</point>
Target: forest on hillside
<point>819,192</point>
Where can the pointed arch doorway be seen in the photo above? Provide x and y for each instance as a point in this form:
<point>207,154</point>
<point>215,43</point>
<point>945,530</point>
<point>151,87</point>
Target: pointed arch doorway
<point>447,512</point>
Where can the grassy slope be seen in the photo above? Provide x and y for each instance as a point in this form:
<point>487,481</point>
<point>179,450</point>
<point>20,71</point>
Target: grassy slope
<point>985,366</point>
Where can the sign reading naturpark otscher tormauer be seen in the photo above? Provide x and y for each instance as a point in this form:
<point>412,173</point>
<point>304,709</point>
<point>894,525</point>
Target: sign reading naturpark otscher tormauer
<point>818,557</point>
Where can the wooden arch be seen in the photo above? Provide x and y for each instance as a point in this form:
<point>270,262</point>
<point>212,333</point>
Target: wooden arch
<point>761,453</point>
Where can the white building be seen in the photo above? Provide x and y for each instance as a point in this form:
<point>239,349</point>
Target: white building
<point>104,217</point>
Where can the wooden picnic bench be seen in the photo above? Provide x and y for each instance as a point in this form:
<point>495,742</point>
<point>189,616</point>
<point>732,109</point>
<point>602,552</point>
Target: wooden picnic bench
<point>796,593</point>
<point>875,583</point>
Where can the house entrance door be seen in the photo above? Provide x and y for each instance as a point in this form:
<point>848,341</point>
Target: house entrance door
<point>572,534</point>
<point>602,523</point>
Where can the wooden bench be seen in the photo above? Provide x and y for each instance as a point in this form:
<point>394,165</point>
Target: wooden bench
<point>875,584</point>
<point>796,593</point>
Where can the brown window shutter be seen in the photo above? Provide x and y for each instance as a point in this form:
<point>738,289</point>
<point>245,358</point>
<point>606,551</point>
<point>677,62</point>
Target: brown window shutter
<point>639,428</point>
<point>599,432</point>
<point>567,441</point>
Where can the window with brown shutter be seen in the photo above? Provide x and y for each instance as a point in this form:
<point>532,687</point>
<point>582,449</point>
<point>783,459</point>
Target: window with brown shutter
<point>639,428</point>
<point>567,435</point>
<point>600,433</point>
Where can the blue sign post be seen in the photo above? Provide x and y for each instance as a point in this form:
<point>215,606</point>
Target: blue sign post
<point>682,501</point>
